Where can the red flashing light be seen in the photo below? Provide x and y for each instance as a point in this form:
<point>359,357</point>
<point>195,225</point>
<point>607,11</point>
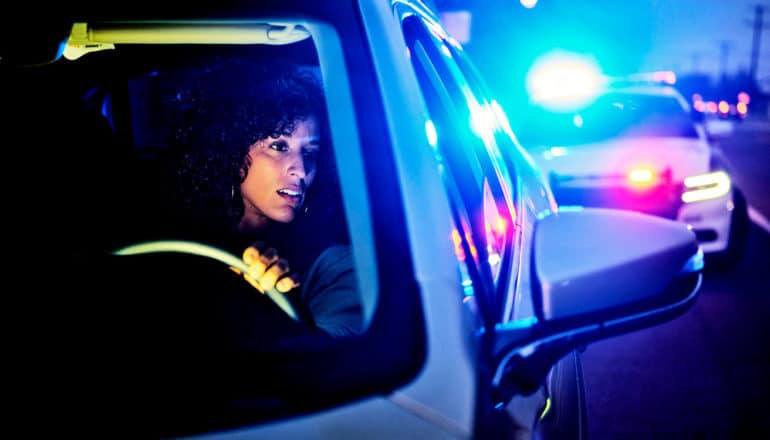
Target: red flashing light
<point>641,176</point>
<point>744,98</point>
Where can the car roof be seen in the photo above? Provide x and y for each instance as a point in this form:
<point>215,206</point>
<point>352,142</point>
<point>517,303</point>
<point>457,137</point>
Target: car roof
<point>645,89</point>
<point>32,38</point>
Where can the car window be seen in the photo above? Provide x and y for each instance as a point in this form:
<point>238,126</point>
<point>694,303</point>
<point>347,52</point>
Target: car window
<point>126,120</point>
<point>182,116</point>
<point>475,176</point>
<point>507,172</point>
<point>610,115</point>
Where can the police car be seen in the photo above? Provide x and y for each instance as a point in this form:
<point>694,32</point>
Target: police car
<point>636,145</point>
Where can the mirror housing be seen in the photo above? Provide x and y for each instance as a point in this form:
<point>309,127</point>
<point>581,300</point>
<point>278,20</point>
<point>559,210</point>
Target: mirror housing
<point>600,264</point>
<point>597,273</point>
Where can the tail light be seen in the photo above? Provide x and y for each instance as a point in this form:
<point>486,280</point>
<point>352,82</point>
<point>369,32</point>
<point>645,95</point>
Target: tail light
<point>641,176</point>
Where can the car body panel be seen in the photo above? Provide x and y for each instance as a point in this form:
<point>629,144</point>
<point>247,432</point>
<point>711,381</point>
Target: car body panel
<point>685,157</point>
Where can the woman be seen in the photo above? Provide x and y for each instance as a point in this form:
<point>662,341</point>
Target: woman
<point>257,173</point>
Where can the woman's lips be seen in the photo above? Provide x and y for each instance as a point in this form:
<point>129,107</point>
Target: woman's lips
<point>294,200</point>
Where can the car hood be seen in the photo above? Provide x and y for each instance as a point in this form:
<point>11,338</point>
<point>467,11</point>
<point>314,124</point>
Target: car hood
<point>684,157</point>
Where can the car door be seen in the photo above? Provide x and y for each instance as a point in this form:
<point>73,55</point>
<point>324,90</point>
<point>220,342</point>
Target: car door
<point>485,192</point>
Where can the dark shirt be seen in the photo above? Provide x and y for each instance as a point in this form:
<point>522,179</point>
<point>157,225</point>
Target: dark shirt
<point>330,293</point>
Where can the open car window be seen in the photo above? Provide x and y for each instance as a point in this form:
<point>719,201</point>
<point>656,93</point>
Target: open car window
<point>475,176</point>
<point>113,123</point>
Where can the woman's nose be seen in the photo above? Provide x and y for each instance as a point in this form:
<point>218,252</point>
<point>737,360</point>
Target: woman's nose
<point>297,166</point>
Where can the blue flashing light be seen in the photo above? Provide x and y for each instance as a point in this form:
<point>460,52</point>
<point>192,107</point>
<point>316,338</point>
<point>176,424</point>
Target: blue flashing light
<point>564,81</point>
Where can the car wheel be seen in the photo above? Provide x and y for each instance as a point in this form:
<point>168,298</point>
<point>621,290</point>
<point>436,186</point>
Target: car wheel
<point>739,233</point>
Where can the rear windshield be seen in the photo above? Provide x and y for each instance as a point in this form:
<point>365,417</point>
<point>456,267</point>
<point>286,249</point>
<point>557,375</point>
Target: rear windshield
<point>612,115</point>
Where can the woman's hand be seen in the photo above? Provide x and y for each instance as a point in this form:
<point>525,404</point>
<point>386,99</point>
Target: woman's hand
<point>267,270</point>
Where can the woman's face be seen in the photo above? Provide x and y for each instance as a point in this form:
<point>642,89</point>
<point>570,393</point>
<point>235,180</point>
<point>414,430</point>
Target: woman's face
<point>281,171</point>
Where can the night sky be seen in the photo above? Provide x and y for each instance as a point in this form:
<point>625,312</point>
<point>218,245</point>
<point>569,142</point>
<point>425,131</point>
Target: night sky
<point>708,37</point>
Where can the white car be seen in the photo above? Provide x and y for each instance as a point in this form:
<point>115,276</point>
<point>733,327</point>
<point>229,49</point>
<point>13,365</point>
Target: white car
<point>637,147</point>
<point>475,290</point>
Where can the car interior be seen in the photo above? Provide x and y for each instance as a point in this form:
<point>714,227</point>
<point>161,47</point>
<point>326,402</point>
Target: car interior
<point>103,120</point>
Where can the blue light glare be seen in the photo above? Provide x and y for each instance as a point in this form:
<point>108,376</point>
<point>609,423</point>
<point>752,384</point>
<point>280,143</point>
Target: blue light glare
<point>519,323</point>
<point>696,263</point>
<point>445,51</point>
<point>577,121</point>
<point>555,152</point>
<point>430,132</point>
<point>468,289</point>
<point>502,118</point>
<point>60,49</point>
<point>563,80</point>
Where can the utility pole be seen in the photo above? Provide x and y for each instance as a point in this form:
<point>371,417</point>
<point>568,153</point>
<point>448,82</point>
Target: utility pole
<point>759,10</point>
<point>724,53</point>
<point>695,56</point>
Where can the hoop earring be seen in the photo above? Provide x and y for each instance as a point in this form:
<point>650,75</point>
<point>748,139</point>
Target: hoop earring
<point>306,204</point>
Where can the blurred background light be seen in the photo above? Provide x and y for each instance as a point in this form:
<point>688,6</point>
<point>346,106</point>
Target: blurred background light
<point>724,107</point>
<point>563,80</point>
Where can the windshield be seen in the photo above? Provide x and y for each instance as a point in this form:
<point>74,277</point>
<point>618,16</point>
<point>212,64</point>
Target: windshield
<point>612,115</point>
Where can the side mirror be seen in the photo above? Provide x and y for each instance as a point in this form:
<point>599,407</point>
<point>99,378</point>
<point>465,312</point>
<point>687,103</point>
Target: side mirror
<point>598,273</point>
<point>603,264</point>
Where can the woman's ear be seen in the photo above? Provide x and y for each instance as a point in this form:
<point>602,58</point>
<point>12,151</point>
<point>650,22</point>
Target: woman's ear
<point>244,169</point>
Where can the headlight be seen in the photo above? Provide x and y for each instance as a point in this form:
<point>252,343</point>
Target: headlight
<point>706,186</point>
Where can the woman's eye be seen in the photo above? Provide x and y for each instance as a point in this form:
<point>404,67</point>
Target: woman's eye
<point>279,146</point>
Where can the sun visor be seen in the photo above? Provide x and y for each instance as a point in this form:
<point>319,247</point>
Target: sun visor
<point>86,37</point>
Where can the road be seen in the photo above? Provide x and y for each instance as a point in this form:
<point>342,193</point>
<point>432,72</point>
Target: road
<point>748,153</point>
<point>706,374</point>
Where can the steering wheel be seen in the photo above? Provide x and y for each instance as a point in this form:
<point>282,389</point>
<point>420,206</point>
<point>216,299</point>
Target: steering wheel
<point>195,248</point>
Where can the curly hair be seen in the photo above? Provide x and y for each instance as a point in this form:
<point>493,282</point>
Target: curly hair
<point>224,110</point>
